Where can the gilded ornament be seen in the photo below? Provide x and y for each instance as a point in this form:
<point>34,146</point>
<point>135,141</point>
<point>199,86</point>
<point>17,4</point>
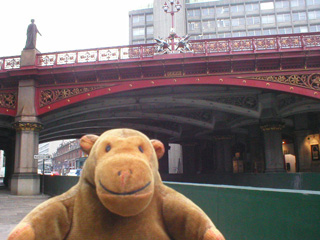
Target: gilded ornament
<point>27,126</point>
<point>223,137</point>
<point>309,81</point>
<point>272,127</point>
<point>49,96</point>
<point>8,100</point>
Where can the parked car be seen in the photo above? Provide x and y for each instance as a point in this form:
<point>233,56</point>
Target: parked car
<point>54,173</point>
<point>47,172</point>
<point>74,172</point>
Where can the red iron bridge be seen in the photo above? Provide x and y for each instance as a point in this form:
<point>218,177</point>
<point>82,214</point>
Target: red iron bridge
<point>288,63</point>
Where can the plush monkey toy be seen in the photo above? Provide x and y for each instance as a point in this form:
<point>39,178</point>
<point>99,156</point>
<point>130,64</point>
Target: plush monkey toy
<point>119,196</point>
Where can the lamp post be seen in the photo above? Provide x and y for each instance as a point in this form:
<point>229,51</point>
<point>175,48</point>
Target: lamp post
<point>175,7</point>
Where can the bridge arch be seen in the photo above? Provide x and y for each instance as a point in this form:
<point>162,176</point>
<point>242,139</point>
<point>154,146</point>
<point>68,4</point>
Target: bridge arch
<point>49,98</point>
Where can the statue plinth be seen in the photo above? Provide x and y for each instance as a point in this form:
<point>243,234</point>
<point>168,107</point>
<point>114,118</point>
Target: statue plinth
<point>28,57</point>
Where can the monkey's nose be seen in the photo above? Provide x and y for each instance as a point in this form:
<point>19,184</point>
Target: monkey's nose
<point>124,176</point>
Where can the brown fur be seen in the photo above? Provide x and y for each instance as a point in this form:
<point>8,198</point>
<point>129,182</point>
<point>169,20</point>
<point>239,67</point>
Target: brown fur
<point>119,195</point>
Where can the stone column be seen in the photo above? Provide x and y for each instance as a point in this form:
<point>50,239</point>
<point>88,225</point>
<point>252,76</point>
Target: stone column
<point>220,157</point>
<point>301,151</point>
<point>273,146</point>
<point>256,149</point>
<point>228,166</point>
<point>25,180</point>
<point>189,158</point>
<point>164,161</point>
<point>223,154</point>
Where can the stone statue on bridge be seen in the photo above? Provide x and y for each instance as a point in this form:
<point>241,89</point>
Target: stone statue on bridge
<point>32,35</point>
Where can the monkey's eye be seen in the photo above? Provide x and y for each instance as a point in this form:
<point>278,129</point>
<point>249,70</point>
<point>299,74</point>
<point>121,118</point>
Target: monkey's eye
<point>108,148</point>
<point>140,149</point>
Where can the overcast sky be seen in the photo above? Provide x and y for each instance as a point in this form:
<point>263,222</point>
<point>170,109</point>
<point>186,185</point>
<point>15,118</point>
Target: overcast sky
<point>66,24</point>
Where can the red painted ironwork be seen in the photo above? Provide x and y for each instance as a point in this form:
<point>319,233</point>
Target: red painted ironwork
<point>145,52</point>
<point>121,86</point>
<point>288,63</point>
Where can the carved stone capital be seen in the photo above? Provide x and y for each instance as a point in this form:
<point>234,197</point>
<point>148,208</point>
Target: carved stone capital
<point>223,137</point>
<point>275,126</point>
<point>27,126</point>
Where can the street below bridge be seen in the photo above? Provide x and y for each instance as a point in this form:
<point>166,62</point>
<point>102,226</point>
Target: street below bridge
<point>14,208</point>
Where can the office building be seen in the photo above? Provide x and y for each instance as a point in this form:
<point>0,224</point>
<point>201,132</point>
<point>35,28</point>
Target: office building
<point>225,18</point>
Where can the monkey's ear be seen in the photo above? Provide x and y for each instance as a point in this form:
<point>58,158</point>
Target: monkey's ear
<point>158,147</point>
<point>87,141</point>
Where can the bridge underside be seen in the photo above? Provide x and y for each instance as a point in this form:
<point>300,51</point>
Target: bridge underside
<point>176,113</point>
<point>211,123</point>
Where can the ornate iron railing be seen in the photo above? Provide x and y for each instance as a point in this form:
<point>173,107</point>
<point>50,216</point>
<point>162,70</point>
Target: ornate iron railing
<point>222,46</point>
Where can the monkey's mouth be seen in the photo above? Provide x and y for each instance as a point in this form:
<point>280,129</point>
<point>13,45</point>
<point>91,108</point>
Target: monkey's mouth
<point>124,193</point>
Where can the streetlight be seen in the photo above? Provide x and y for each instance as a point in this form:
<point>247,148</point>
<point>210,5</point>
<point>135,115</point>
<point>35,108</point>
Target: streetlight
<point>175,7</point>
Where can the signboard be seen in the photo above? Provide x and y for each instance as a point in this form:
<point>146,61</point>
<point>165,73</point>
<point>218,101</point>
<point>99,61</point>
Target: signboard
<point>42,156</point>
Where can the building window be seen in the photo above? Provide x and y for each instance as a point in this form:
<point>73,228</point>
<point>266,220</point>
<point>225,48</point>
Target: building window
<point>252,7</point>
<point>207,36</point>
<point>138,32</point>
<point>196,37</point>
<point>237,8</point>
<point>285,30</point>
<point>224,35</point>
<point>315,28</point>
<point>254,32</point>
<point>193,26</point>
<point>207,25</point>
<point>267,19</point>
<point>313,2</point>
<point>270,31</point>
<point>285,17</point>
<point>237,22</point>
<point>138,19</point>
<point>149,17</point>
<point>282,4</point>
<point>150,30</point>
<point>239,34</point>
<point>194,13</point>
<point>138,42</point>
<point>313,15</point>
<point>299,16</point>
<point>298,3</point>
<point>266,5</point>
<point>223,9</point>
<point>207,11</point>
<point>253,20</point>
<point>223,22</point>
<point>300,29</point>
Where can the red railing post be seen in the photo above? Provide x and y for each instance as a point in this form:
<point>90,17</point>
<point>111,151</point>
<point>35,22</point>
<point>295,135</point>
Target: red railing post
<point>303,43</point>
<point>230,46</point>
<point>141,52</point>
<point>278,43</point>
<point>206,48</point>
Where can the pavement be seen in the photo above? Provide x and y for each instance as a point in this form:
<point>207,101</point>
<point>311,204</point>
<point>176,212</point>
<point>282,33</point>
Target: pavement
<point>14,208</point>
